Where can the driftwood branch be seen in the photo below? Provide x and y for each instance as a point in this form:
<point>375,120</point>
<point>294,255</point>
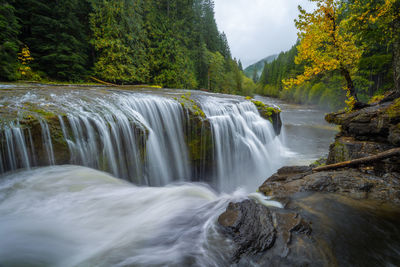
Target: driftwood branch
<point>102,82</point>
<point>380,156</point>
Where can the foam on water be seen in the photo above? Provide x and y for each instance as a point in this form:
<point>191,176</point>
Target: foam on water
<point>72,215</point>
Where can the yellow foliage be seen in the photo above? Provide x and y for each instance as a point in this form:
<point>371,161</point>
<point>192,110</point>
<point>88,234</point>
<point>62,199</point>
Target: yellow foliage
<point>350,102</point>
<point>25,58</point>
<point>380,14</point>
<point>325,43</point>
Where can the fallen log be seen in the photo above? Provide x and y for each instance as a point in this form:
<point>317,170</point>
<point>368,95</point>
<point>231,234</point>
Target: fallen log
<point>351,163</point>
<point>103,82</point>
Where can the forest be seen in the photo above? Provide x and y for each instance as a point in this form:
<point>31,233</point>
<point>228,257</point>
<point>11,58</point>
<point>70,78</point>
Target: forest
<point>168,43</point>
<point>176,44</point>
<point>369,49</point>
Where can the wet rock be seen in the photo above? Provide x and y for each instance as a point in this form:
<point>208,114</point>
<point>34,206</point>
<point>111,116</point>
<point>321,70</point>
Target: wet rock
<point>394,134</point>
<point>372,123</point>
<point>366,132</point>
<point>267,236</point>
<point>250,225</point>
<point>270,113</point>
<point>283,176</point>
<point>350,182</point>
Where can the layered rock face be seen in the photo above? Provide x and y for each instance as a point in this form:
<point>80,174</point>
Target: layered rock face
<point>346,208</point>
<point>367,132</point>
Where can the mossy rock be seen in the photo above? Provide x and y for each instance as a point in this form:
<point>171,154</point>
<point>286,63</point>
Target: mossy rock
<point>188,103</point>
<point>393,111</point>
<point>269,113</point>
<point>338,152</point>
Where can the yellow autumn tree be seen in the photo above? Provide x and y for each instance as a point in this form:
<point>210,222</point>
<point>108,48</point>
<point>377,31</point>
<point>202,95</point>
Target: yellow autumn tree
<point>325,45</point>
<point>25,58</point>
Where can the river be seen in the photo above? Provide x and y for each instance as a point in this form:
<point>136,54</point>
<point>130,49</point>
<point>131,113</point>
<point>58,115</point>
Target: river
<point>305,131</point>
<point>69,215</point>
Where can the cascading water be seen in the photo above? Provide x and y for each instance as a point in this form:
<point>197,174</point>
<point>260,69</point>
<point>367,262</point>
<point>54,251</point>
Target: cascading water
<point>246,147</point>
<point>112,132</point>
<point>76,216</point>
<point>141,137</point>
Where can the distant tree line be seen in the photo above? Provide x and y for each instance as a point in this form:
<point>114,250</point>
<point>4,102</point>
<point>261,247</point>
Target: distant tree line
<point>171,43</point>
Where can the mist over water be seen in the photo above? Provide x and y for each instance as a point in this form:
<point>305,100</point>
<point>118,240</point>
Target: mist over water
<point>73,215</point>
<point>246,147</point>
<point>76,216</point>
<point>140,136</point>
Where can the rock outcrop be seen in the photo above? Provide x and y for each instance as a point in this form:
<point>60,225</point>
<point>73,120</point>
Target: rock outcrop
<point>367,132</point>
<point>266,235</point>
<point>353,183</point>
<point>346,208</point>
<point>270,113</point>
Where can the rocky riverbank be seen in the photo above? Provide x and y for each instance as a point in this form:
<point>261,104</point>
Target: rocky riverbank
<point>342,217</point>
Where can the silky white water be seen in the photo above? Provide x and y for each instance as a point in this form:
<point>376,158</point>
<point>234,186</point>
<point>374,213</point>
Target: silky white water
<point>142,137</point>
<point>72,215</point>
<point>246,147</point>
<point>76,216</point>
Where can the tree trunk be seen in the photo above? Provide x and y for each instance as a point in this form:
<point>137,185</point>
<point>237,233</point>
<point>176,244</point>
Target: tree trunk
<point>396,54</point>
<point>349,81</point>
<point>351,163</point>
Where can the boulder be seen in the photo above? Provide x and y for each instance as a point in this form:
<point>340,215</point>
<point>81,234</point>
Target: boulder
<point>267,236</point>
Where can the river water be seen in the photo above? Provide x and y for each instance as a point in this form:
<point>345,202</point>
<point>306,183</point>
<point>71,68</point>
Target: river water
<point>77,216</point>
<point>304,131</point>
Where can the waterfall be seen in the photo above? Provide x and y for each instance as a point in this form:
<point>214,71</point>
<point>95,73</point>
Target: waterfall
<point>111,132</point>
<point>245,145</point>
<point>14,152</point>
<point>145,138</point>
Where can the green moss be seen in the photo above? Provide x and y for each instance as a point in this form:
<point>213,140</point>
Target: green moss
<point>376,99</point>
<point>319,162</point>
<point>340,151</point>
<point>266,111</point>
<point>190,104</point>
<point>393,110</point>
<point>258,104</point>
<point>199,142</point>
<point>44,113</point>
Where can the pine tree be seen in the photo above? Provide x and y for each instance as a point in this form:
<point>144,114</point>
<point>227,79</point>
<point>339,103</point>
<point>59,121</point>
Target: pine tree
<point>9,44</point>
<point>255,75</point>
<point>119,41</point>
<point>56,35</point>
<point>240,65</point>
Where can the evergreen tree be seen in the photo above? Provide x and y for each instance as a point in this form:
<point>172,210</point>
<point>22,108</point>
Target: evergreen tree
<point>9,44</point>
<point>56,35</point>
<point>168,24</point>
<point>255,75</point>
<point>119,41</point>
<point>240,65</point>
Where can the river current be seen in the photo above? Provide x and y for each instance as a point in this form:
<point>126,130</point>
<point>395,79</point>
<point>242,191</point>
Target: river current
<point>72,215</point>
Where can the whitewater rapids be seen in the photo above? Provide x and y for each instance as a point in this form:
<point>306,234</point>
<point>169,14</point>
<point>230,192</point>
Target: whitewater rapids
<point>77,216</point>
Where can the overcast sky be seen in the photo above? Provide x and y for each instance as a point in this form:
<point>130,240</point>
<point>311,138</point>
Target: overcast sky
<point>258,28</point>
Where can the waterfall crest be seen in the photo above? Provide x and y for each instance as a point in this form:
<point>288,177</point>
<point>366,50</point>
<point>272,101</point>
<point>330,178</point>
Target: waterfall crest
<point>148,139</point>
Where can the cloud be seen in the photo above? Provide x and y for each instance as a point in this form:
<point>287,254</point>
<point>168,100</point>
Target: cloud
<point>258,28</point>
